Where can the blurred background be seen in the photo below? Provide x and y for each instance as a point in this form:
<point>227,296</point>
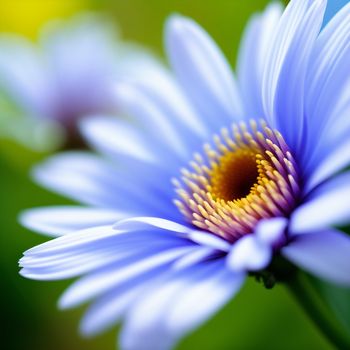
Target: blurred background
<point>256,319</point>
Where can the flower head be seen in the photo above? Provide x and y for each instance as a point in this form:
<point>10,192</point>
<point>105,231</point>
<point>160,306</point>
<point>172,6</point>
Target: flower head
<point>216,179</point>
<point>67,76</point>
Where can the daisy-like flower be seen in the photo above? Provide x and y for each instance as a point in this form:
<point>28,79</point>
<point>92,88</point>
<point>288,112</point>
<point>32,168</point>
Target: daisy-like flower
<point>46,88</point>
<point>218,178</point>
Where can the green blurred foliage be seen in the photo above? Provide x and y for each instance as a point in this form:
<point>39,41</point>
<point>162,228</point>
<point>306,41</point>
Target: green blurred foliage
<point>339,300</point>
<point>224,19</point>
<point>255,319</point>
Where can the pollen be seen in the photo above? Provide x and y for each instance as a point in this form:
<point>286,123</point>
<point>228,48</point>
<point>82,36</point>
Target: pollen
<point>247,174</point>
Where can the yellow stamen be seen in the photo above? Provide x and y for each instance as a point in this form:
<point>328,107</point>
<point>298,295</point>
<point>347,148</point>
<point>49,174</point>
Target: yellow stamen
<point>249,175</point>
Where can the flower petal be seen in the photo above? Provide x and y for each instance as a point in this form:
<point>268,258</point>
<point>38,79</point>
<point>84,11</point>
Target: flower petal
<point>325,254</point>
<point>56,221</point>
<point>336,160</point>
<point>161,316</point>
<point>139,264</point>
<point>158,83</point>
<point>116,137</point>
<point>24,78</point>
<point>200,237</point>
<point>249,254</point>
<point>252,55</point>
<point>325,83</point>
<point>84,80</point>
<point>96,181</point>
<point>328,205</point>
<point>87,250</point>
<point>196,256</point>
<point>202,71</point>
<point>141,223</point>
<point>282,89</point>
<point>271,231</point>
<point>203,299</point>
<point>109,309</point>
<point>73,241</point>
<point>209,240</point>
<point>98,238</point>
<point>69,268</point>
<point>133,101</point>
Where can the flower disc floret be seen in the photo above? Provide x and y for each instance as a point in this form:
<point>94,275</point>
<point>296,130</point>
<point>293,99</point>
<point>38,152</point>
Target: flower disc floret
<point>249,175</point>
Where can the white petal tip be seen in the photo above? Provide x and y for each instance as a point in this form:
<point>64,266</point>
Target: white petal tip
<point>88,330</point>
<point>22,218</point>
<point>176,21</point>
<point>22,272</point>
<point>22,261</point>
<point>63,303</point>
<point>69,300</point>
<point>177,24</point>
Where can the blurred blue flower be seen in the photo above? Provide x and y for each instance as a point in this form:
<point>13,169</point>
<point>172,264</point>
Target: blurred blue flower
<point>67,76</point>
<point>163,247</point>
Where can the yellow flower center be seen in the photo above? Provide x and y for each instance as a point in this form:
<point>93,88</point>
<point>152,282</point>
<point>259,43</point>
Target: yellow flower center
<point>234,176</point>
<point>249,175</point>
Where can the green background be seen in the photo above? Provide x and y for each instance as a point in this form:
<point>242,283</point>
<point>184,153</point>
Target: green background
<point>255,319</point>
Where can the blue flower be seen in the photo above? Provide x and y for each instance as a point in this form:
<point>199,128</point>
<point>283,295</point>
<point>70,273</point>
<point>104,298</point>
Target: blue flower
<point>68,75</point>
<point>171,228</point>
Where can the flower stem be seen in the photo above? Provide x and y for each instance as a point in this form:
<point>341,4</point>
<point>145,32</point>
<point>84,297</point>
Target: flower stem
<point>317,310</point>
